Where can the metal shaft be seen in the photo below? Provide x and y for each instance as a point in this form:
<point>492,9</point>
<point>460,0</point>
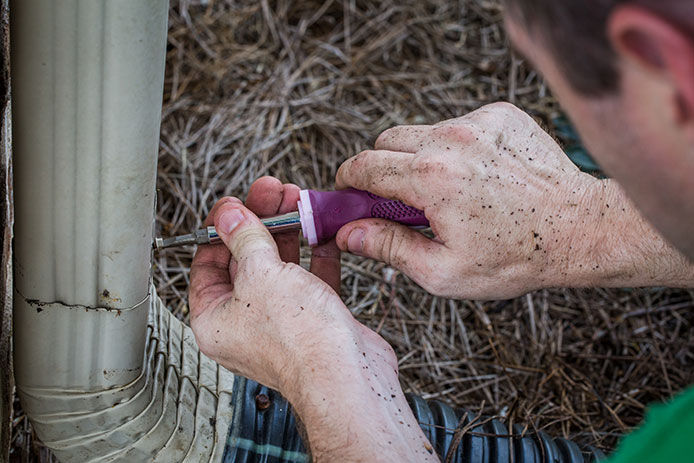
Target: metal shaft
<point>276,224</point>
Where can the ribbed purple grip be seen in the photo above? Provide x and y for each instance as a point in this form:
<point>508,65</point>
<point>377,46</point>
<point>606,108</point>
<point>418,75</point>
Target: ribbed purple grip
<point>333,209</point>
<point>396,211</point>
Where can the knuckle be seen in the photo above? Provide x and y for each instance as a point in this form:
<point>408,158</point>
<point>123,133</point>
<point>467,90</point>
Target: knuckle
<point>386,135</point>
<point>269,179</point>
<point>229,200</point>
<point>352,170</point>
<point>504,107</point>
<point>320,294</point>
<point>458,133</point>
<point>360,158</point>
<point>428,165</point>
<point>514,117</point>
<point>366,170</point>
<point>425,164</point>
<point>290,271</point>
<point>494,114</point>
<point>364,158</point>
<point>507,115</point>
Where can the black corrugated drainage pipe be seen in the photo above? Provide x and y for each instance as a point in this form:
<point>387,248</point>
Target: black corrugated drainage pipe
<point>263,430</point>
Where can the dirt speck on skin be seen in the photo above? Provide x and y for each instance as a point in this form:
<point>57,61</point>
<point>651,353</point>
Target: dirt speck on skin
<point>499,140</point>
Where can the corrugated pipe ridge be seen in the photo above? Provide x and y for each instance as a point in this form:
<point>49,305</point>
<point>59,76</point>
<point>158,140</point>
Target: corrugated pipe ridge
<point>178,409</point>
<point>491,440</point>
<point>263,431</point>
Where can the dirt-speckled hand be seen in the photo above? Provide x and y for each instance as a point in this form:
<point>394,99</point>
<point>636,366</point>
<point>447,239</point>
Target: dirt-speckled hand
<point>283,326</point>
<point>511,213</point>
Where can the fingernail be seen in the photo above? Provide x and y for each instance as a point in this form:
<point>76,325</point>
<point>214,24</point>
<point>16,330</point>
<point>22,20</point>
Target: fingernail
<point>229,220</point>
<point>355,240</point>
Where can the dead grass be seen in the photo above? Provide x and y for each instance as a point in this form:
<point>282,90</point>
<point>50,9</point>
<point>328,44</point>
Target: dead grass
<point>292,88</point>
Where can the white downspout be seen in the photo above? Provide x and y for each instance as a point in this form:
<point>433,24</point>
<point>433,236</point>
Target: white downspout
<point>6,220</point>
<point>104,372</point>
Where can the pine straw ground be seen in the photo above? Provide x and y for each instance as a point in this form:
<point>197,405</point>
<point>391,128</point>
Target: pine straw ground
<point>292,88</point>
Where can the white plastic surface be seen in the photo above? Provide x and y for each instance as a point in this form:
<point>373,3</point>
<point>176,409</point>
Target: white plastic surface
<point>308,224</point>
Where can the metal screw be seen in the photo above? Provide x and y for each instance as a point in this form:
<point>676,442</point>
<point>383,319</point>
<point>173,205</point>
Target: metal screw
<point>262,401</point>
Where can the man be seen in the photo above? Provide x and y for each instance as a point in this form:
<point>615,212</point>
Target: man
<point>510,213</point>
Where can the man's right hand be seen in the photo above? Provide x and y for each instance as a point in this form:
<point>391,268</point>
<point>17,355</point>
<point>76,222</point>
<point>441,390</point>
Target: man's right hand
<point>510,212</point>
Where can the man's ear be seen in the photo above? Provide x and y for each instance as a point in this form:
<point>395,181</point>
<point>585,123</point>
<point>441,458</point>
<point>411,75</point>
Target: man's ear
<point>656,45</point>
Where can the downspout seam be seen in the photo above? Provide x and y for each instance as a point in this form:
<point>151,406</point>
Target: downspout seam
<point>169,393</point>
<point>41,304</point>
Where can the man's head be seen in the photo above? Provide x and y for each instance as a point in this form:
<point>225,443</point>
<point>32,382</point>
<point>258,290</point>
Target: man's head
<point>624,71</point>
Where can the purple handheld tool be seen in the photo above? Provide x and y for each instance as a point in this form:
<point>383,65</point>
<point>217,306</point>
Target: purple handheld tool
<point>323,213</point>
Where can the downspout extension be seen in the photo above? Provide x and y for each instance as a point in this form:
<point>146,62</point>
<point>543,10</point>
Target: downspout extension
<point>104,372</point>
<point>178,408</point>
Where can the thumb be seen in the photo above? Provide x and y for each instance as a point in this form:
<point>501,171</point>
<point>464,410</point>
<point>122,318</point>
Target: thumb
<point>244,234</point>
<point>390,242</point>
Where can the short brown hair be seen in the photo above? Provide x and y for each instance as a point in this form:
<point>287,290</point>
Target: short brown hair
<point>575,32</point>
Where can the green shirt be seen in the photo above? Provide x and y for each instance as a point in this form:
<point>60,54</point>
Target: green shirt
<point>666,435</point>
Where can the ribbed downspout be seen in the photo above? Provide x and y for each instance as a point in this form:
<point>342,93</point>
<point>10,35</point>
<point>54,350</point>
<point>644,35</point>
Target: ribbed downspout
<point>104,372</point>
